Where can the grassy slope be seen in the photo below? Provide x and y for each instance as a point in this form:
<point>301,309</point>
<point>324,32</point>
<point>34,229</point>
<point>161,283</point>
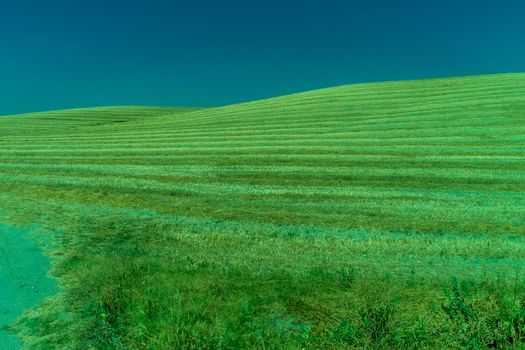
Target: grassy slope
<point>68,120</point>
<point>374,215</point>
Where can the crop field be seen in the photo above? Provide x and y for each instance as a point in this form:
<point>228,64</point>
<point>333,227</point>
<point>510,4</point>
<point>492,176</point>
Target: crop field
<point>368,216</point>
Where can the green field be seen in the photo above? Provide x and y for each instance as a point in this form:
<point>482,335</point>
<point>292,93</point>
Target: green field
<point>369,216</point>
<point>23,280</point>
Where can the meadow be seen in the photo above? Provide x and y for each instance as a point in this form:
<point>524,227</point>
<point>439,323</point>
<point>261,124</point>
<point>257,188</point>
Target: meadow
<point>368,216</point>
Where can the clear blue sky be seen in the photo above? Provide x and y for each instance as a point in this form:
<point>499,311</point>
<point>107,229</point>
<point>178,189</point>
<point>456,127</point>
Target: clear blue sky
<point>77,53</point>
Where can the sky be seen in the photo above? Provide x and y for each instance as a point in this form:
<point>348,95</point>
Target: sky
<point>58,54</point>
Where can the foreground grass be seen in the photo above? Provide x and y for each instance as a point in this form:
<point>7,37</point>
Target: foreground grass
<point>367,216</point>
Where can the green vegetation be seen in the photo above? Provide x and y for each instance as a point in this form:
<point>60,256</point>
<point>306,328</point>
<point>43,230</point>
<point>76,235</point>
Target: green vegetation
<point>373,216</point>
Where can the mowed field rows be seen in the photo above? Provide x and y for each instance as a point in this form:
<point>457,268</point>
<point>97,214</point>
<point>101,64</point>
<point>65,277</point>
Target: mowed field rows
<point>368,216</point>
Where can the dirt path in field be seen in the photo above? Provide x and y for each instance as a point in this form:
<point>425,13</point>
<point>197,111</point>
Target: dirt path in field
<point>23,280</point>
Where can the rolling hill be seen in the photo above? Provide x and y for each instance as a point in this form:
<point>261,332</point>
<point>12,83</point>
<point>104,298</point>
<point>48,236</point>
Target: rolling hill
<point>383,215</point>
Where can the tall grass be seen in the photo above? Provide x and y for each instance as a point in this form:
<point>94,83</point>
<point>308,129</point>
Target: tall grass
<point>371,216</point>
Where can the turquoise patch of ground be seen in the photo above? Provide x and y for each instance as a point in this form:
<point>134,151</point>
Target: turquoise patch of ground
<point>24,283</point>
